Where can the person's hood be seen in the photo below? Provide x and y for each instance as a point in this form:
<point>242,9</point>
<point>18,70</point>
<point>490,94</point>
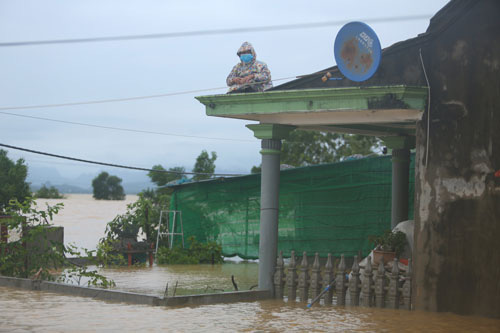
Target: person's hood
<point>245,47</point>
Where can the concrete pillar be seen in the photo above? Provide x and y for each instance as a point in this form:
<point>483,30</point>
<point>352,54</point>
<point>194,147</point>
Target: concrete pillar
<point>400,146</point>
<point>271,136</point>
<point>269,200</point>
<point>400,184</point>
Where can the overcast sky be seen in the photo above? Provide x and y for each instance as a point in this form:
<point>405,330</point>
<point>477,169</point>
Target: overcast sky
<point>51,74</point>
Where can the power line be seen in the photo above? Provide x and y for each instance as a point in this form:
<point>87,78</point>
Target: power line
<point>113,100</point>
<point>123,129</point>
<point>212,31</point>
<point>121,100</point>
<point>118,165</point>
<point>34,160</point>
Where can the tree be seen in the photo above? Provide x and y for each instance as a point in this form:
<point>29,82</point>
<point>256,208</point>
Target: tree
<point>256,169</point>
<point>311,147</point>
<point>142,215</point>
<point>13,183</point>
<point>107,187</point>
<point>204,164</point>
<point>162,178</point>
<point>48,193</point>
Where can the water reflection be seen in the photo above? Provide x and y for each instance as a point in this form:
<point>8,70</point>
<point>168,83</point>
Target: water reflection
<point>26,311</point>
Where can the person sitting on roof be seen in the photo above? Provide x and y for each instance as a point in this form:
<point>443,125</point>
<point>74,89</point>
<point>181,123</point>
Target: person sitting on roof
<point>249,75</point>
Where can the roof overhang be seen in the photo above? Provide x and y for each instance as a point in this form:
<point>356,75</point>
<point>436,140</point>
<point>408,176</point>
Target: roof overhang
<point>380,111</point>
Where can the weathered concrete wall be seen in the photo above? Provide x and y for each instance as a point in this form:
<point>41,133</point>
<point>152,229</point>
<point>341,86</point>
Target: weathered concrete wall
<point>227,297</point>
<point>43,242</point>
<point>457,212</point>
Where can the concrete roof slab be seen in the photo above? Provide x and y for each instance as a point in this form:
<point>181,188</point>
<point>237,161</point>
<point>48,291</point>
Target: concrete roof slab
<point>390,105</point>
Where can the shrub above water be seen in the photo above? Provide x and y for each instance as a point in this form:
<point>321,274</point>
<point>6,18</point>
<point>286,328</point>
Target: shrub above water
<point>390,241</point>
<point>48,193</point>
<point>106,187</point>
<point>196,253</point>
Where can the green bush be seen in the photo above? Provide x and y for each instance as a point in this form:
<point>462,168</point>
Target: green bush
<point>390,241</point>
<point>175,256</point>
<point>106,256</point>
<point>196,253</point>
<point>141,216</point>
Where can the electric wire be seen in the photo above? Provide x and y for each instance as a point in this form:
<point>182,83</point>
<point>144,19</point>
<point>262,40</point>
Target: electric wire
<point>133,98</point>
<point>113,100</point>
<point>428,108</point>
<point>123,129</point>
<point>119,165</point>
<point>212,31</point>
<point>121,100</point>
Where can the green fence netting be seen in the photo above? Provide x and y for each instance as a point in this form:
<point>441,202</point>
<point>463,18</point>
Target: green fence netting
<point>329,208</point>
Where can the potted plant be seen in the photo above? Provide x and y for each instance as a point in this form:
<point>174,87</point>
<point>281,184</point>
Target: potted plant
<point>389,245</point>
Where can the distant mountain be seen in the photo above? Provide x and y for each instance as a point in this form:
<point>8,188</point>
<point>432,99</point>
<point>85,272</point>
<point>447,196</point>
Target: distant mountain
<point>133,182</point>
<point>64,188</point>
<point>37,174</point>
<point>136,187</point>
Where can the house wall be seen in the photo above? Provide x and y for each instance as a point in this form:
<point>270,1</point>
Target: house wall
<point>457,207</point>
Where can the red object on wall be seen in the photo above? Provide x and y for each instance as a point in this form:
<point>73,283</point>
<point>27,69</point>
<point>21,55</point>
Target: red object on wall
<point>151,255</point>
<point>4,233</point>
<point>129,255</point>
<point>497,174</point>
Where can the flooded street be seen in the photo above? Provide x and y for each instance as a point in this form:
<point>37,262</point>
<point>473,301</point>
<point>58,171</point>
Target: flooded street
<point>84,222</point>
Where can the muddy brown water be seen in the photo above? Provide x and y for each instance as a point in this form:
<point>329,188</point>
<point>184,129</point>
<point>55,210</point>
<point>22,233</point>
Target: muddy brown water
<point>84,220</point>
<point>28,311</point>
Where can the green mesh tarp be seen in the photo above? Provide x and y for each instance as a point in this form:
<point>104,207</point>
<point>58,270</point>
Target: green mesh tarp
<point>329,208</point>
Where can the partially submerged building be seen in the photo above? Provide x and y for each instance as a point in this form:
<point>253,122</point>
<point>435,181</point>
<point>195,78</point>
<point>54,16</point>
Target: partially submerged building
<point>438,92</point>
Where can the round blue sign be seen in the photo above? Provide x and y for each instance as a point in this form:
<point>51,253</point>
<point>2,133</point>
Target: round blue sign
<point>357,51</point>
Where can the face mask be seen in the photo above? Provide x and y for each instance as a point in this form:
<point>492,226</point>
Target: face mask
<point>246,57</point>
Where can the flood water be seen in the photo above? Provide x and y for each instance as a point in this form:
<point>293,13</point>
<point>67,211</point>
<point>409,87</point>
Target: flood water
<point>84,220</point>
<point>190,279</point>
<point>28,311</point>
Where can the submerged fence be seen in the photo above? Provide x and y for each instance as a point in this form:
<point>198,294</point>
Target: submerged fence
<point>365,286</point>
